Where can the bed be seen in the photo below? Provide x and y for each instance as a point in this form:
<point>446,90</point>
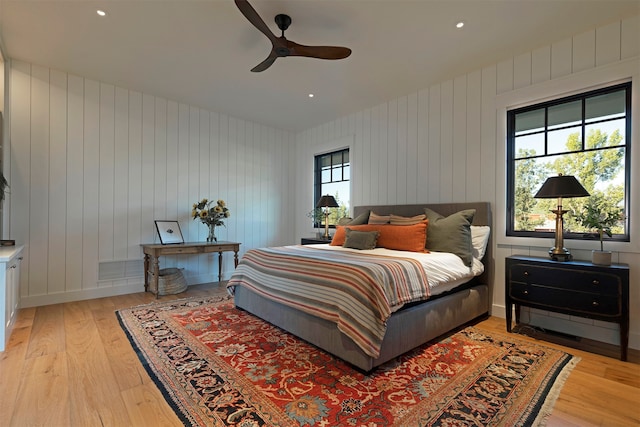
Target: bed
<point>405,328</point>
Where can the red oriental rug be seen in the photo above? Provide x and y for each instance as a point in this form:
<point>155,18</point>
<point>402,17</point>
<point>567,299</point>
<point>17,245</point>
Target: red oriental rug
<point>220,366</point>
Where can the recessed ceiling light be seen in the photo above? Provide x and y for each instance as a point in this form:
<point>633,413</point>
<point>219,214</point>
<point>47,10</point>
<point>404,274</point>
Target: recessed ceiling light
<point>460,24</point>
<point>310,95</point>
<point>101,12</point>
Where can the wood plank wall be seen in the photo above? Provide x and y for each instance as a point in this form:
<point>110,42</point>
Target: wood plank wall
<point>443,144</point>
<point>93,165</point>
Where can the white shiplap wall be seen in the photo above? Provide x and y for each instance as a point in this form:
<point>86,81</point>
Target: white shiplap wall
<point>92,166</point>
<point>446,144</point>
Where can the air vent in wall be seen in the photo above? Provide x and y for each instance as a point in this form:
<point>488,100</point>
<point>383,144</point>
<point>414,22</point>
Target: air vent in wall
<point>116,270</point>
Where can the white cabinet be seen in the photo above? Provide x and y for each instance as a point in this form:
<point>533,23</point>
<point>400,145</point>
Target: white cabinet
<point>10,257</point>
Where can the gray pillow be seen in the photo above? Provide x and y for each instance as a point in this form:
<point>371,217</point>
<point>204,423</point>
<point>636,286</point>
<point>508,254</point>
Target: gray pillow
<point>360,239</point>
<point>363,218</point>
<point>451,234</point>
<point>345,220</point>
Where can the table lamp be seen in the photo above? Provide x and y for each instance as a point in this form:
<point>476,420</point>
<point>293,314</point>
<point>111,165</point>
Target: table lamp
<point>327,201</point>
<point>558,187</point>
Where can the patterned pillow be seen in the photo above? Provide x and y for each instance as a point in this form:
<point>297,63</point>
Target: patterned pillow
<point>360,239</point>
<point>407,220</point>
<point>378,219</point>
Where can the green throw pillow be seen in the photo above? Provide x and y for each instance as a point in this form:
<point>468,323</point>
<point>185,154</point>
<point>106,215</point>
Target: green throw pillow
<point>451,234</point>
<point>363,218</point>
<point>360,239</point>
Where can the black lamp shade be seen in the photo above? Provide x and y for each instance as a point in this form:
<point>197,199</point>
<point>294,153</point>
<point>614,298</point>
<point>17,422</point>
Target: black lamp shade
<point>561,186</point>
<point>327,201</point>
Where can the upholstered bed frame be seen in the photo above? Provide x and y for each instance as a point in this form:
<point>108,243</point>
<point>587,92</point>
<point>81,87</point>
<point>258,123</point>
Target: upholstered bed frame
<point>407,328</point>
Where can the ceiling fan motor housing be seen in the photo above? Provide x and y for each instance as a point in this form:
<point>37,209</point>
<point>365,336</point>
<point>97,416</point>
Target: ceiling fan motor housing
<point>283,21</point>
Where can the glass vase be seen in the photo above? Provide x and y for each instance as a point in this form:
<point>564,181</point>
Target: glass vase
<point>212,234</point>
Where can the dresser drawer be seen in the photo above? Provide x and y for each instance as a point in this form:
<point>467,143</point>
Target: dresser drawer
<point>179,250</point>
<point>218,248</point>
<point>582,281</point>
<point>566,301</point>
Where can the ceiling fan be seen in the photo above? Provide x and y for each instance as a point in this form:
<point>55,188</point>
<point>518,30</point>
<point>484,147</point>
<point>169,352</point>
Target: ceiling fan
<point>281,46</point>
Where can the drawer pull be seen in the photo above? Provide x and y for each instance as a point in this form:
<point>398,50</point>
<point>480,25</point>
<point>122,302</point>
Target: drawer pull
<point>596,282</point>
<point>595,303</point>
<point>526,273</point>
<point>525,292</point>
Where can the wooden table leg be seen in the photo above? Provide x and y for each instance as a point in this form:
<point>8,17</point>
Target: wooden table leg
<point>624,338</point>
<point>146,272</point>
<point>235,258</point>
<point>220,266</point>
<point>156,273</point>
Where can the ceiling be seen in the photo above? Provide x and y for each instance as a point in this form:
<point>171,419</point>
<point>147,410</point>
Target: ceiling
<point>200,52</point>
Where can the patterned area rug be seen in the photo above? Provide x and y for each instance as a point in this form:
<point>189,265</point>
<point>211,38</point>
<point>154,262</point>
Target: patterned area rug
<point>220,366</point>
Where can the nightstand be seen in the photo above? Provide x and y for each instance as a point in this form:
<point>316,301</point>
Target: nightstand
<point>313,240</point>
<point>576,288</point>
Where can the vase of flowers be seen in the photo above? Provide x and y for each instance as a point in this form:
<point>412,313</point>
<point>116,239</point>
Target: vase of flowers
<point>211,214</point>
<point>594,217</point>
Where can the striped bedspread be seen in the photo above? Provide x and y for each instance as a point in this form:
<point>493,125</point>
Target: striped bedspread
<point>357,291</point>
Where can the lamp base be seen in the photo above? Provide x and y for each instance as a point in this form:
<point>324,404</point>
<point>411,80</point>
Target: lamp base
<point>326,225</point>
<point>561,254</point>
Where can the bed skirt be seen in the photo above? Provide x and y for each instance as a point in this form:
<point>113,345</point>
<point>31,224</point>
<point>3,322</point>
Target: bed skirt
<point>406,329</point>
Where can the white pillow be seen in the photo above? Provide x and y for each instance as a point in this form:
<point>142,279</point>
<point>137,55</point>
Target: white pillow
<point>479,240</point>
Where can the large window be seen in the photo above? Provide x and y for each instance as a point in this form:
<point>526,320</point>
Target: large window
<point>332,174</point>
<point>586,136</point>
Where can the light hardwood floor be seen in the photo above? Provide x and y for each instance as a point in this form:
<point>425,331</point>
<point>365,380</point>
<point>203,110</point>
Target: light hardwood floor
<point>72,365</point>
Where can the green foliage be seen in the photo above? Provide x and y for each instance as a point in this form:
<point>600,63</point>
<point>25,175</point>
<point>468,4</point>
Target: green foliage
<point>592,168</point>
<point>598,214</point>
<point>529,177</point>
<point>3,186</point>
<point>340,212</point>
<point>317,214</point>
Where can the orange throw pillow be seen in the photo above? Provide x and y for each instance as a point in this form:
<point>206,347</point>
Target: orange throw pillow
<point>399,237</point>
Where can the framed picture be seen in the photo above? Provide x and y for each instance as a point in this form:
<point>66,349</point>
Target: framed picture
<point>169,232</point>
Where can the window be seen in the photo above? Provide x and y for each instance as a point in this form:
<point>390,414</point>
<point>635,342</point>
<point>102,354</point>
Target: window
<point>332,174</point>
<point>586,136</point>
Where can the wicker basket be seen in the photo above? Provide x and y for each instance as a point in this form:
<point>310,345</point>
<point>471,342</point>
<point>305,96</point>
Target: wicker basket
<point>171,281</point>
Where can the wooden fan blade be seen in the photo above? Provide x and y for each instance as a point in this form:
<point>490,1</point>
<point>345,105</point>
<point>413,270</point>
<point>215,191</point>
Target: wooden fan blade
<point>283,47</point>
<point>322,52</point>
<point>266,63</point>
<point>250,13</point>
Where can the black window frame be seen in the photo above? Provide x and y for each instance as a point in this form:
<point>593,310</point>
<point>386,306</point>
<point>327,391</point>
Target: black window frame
<point>317,174</point>
<point>511,165</point>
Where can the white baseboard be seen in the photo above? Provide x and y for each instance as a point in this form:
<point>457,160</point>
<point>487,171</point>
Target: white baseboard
<point>85,294</point>
<point>106,289</point>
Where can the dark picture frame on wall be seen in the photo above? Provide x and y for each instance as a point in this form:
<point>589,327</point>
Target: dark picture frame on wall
<point>169,232</point>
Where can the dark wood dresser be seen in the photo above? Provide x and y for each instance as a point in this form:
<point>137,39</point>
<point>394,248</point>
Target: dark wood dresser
<point>313,240</point>
<point>577,288</point>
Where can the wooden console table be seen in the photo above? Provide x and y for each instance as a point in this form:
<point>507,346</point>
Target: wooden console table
<point>152,253</point>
